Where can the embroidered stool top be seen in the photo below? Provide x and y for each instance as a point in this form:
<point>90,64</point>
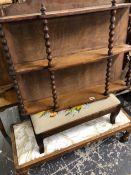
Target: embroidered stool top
<point>44,121</point>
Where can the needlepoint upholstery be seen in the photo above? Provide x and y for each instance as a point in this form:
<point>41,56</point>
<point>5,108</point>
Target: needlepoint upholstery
<point>44,121</point>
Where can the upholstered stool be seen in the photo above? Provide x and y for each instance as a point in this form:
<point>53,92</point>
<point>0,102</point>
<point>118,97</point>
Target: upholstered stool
<point>47,123</point>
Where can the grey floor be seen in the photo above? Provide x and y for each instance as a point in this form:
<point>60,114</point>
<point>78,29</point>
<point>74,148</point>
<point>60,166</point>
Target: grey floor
<point>108,157</point>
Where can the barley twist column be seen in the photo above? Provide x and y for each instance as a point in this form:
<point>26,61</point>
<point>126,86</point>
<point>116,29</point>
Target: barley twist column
<point>11,69</point>
<point>49,57</point>
<point>128,82</point>
<point>110,47</point>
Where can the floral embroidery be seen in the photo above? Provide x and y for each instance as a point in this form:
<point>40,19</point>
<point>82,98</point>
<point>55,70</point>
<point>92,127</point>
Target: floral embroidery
<point>68,112</point>
<point>41,114</point>
<point>53,114</point>
<point>73,110</point>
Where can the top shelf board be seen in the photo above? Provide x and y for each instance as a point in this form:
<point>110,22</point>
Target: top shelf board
<point>62,13</point>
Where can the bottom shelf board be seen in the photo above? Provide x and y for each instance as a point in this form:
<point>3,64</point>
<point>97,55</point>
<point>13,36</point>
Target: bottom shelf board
<point>8,99</point>
<point>74,98</point>
<point>25,149</point>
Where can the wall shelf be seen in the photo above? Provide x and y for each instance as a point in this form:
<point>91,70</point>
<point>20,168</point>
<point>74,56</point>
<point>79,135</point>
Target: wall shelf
<point>29,46</point>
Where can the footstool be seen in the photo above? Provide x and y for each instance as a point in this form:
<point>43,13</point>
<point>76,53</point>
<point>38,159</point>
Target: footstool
<point>47,123</point>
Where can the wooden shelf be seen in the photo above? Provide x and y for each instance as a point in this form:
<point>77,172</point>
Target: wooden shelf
<point>8,99</point>
<point>86,57</point>
<point>31,66</point>
<point>73,98</point>
<point>67,61</point>
<point>61,13</point>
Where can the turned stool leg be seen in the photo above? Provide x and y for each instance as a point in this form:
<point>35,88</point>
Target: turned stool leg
<point>114,114</point>
<point>125,137</point>
<point>3,129</point>
<point>39,140</point>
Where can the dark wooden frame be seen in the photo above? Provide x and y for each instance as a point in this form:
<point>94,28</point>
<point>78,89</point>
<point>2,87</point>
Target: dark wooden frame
<point>23,169</point>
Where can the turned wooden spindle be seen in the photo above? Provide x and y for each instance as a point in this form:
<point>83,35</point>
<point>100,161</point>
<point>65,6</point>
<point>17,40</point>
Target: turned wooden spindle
<point>11,69</point>
<point>49,57</point>
<point>128,82</point>
<point>110,47</point>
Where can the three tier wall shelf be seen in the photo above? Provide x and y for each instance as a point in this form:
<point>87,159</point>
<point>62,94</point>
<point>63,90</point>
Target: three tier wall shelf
<point>63,55</point>
<point>76,59</point>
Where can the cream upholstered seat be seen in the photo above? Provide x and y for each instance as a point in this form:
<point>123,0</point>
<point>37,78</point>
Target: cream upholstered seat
<point>43,121</point>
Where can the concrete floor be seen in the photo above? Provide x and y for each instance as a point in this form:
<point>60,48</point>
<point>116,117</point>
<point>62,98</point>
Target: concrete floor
<point>108,157</point>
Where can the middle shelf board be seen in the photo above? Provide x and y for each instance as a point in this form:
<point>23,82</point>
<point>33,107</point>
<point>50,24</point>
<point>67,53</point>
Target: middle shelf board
<point>82,57</point>
<point>74,98</point>
<point>31,66</point>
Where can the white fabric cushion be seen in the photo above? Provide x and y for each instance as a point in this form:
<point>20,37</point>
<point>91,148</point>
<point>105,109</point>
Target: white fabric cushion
<point>44,121</point>
<point>5,1</point>
<point>28,150</point>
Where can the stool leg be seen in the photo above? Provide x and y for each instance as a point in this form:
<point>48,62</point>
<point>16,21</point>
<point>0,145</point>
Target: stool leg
<point>114,114</point>
<point>3,129</point>
<point>39,140</point>
<point>125,137</point>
